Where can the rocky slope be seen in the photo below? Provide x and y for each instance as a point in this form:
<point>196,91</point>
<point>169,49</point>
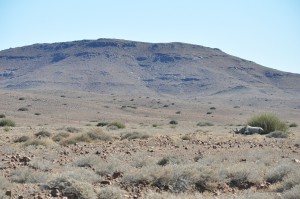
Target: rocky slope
<point>128,67</point>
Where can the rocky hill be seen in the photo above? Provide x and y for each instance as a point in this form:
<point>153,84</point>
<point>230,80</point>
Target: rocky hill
<point>129,67</point>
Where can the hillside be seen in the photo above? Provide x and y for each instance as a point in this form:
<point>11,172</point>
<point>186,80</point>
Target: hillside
<point>128,67</point>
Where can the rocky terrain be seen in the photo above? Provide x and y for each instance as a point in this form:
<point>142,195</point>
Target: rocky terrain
<point>123,119</point>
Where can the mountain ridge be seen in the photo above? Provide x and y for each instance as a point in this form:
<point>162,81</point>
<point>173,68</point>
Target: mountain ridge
<point>131,67</point>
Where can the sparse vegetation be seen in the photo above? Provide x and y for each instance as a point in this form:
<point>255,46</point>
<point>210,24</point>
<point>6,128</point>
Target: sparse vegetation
<point>293,124</point>
<point>26,175</point>
<point>35,142</point>
<point>60,136</point>
<point>269,122</point>
<point>23,138</point>
<point>173,122</point>
<point>213,108</point>
<point>277,134</point>
<point>116,124</point>
<point>37,114</point>
<point>43,133</point>
<point>23,109</point>
<point>7,122</point>
<point>111,193</point>
<point>102,124</point>
<point>72,130</point>
<point>97,134</point>
<point>134,135</point>
<point>77,139</point>
<point>208,113</point>
<point>22,98</point>
<point>2,116</point>
<point>204,124</point>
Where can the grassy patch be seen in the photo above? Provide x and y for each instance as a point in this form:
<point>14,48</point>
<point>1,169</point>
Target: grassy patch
<point>269,122</point>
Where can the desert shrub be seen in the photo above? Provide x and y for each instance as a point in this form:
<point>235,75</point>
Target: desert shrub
<point>23,138</point>
<point>76,139</point>
<point>37,113</point>
<point>43,133</point>
<point>277,134</point>
<point>26,175</point>
<point>41,164</point>
<point>170,160</point>
<point>102,124</point>
<point>173,122</point>
<point>2,116</point>
<point>187,137</point>
<point>208,113</point>
<point>35,142</point>
<point>80,174</point>
<point>111,193</point>
<point>205,124</point>
<point>293,124</point>
<point>88,161</point>
<point>236,107</point>
<point>98,134</point>
<point>290,181</point>
<point>112,165</point>
<point>22,98</point>
<point>23,109</point>
<point>72,130</point>
<point>141,160</point>
<point>293,193</point>
<point>60,136</point>
<point>277,173</point>
<point>212,108</point>
<point>134,135</point>
<point>73,188</point>
<point>117,124</point>
<point>269,122</point>
<point>7,122</point>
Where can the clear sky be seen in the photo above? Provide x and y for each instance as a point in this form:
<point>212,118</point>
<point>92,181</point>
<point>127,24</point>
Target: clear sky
<point>264,31</point>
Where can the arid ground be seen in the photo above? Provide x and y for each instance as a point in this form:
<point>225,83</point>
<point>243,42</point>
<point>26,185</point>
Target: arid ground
<point>88,145</point>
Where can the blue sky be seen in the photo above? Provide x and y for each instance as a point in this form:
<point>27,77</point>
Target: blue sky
<point>264,31</point>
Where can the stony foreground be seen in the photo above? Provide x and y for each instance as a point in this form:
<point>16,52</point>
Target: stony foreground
<point>104,163</point>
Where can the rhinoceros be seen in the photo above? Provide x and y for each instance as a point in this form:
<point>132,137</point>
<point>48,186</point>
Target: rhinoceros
<point>248,130</point>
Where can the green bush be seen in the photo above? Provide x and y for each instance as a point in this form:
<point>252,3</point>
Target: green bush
<point>7,122</point>
<point>43,133</point>
<point>277,134</point>
<point>269,122</point>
